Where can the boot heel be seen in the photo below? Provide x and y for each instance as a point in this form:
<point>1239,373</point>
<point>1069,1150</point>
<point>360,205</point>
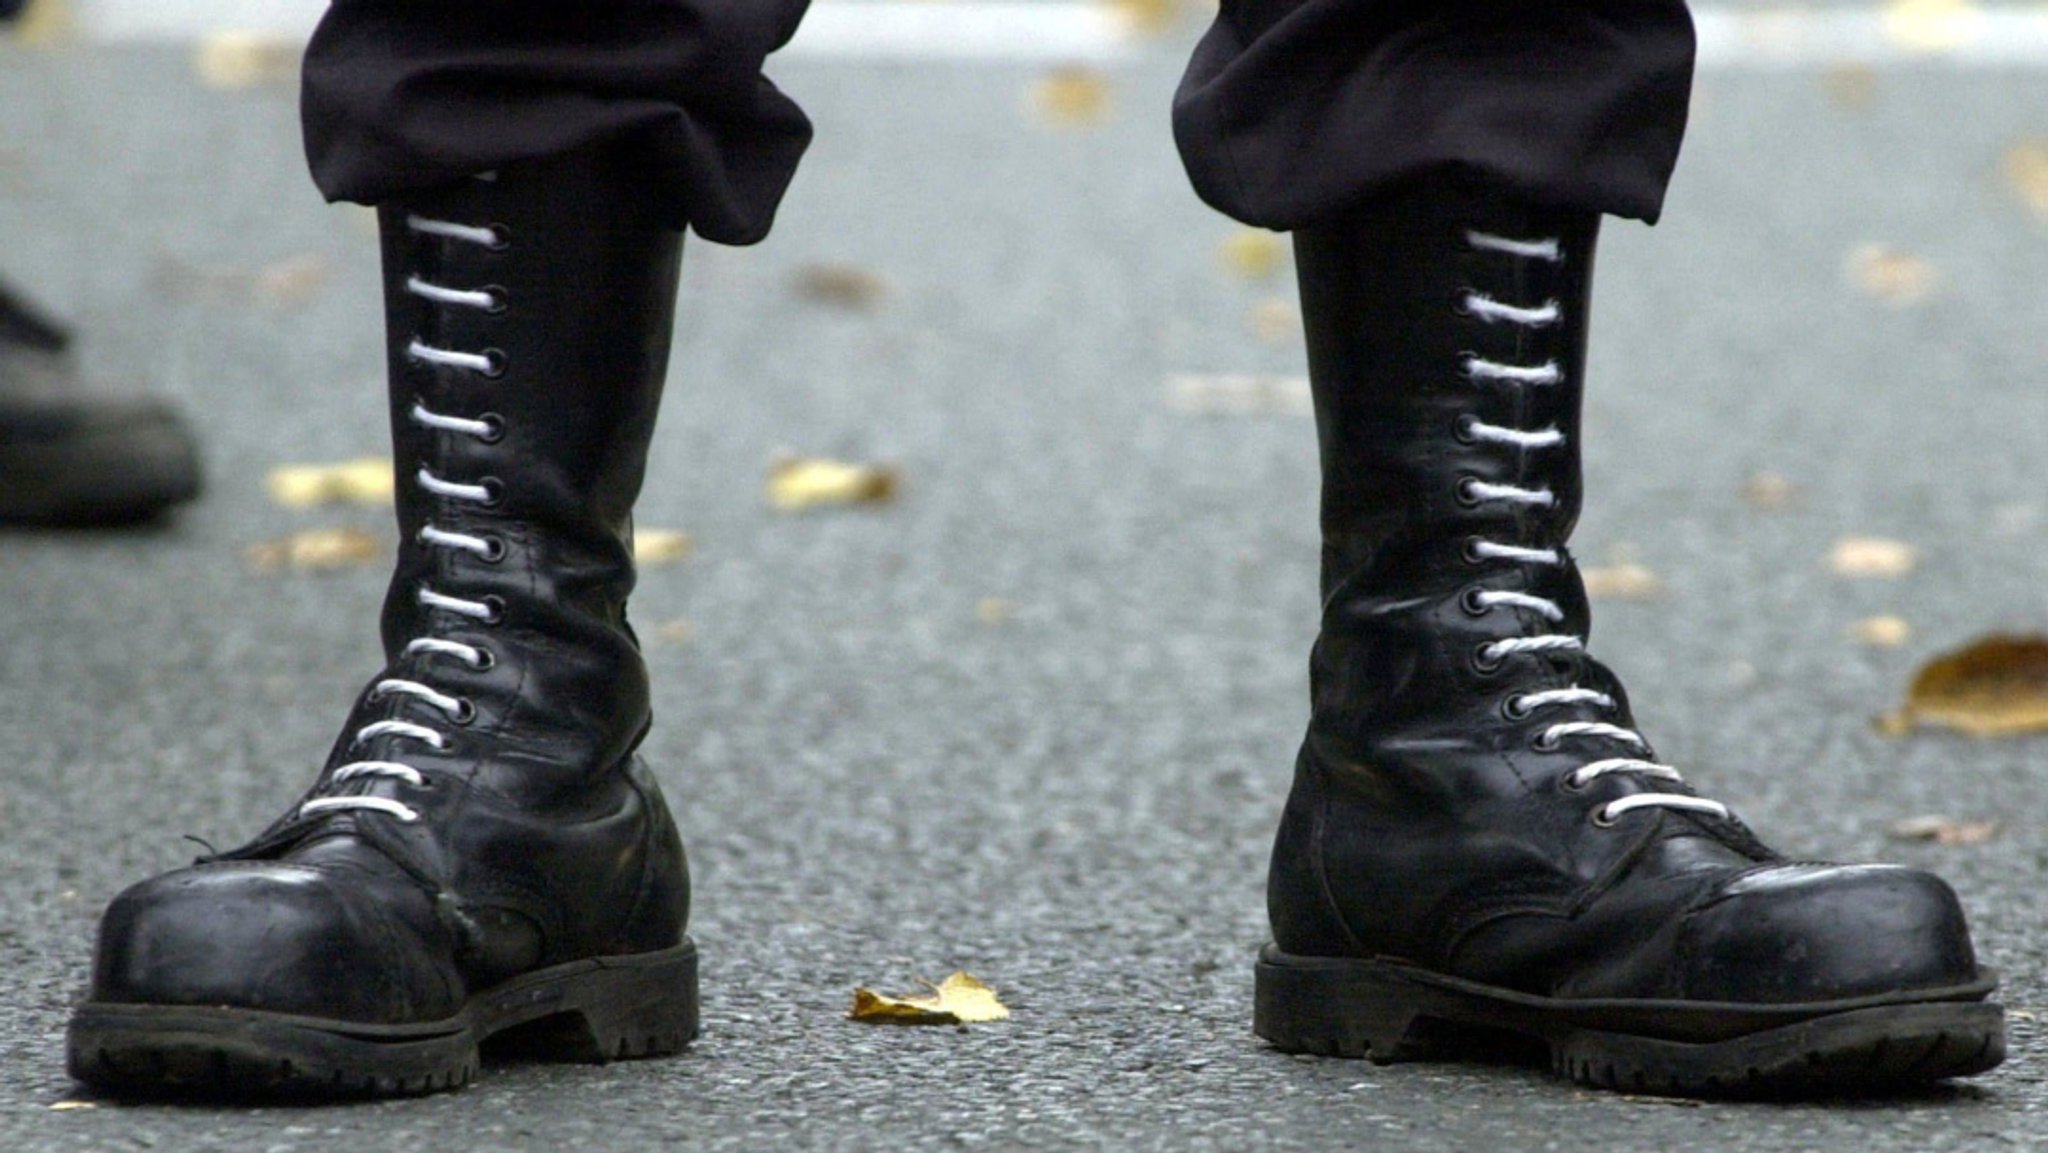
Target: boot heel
<point>1336,1007</point>
<point>641,1006</point>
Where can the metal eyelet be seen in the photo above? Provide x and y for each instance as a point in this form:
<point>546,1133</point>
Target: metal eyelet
<point>499,299</point>
<point>1485,665</point>
<point>496,604</point>
<point>1470,602</point>
<point>1602,819</point>
<point>501,238</point>
<point>1469,551</point>
<point>494,428</point>
<point>494,491</point>
<point>1571,784</point>
<point>1466,495</point>
<point>1462,430</point>
<point>1514,708</point>
<point>465,712</point>
<point>485,659</point>
<point>494,549</point>
<point>1543,742</point>
<point>496,363</point>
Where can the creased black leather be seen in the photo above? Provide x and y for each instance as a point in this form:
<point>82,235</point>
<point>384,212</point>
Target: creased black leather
<point>1426,823</point>
<point>541,836</point>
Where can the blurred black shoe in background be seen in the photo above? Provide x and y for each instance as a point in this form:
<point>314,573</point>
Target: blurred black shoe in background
<point>71,454</point>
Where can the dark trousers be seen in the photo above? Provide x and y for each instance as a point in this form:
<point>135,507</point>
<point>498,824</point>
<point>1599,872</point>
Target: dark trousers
<point>1291,110</point>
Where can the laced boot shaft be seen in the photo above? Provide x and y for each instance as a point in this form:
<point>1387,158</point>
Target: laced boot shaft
<point>1473,802</point>
<point>482,821</point>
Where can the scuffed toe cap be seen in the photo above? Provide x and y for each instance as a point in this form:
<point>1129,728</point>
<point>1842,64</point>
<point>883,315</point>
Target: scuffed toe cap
<point>278,938</point>
<point>1791,934</point>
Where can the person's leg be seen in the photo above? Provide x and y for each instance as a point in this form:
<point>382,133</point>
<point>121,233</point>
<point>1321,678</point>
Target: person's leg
<point>73,453</point>
<point>483,851</point>
<point>1478,836</point>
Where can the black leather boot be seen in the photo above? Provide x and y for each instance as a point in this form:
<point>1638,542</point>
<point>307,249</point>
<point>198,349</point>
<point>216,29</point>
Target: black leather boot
<point>1480,847</point>
<point>73,454</point>
<point>484,854</point>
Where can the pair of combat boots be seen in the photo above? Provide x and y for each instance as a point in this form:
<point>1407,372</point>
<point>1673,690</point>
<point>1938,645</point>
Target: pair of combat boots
<point>1478,843</point>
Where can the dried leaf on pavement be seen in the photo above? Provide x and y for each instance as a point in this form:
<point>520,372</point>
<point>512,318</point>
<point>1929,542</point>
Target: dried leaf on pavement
<point>1146,17</point>
<point>1889,275</point>
<point>326,548</point>
<point>992,610</point>
<point>1622,582</point>
<point>1883,632</point>
<point>1254,253</point>
<point>957,1000</point>
<point>1072,96</point>
<point>844,285</point>
<point>1996,686</point>
<point>2026,173</point>
<point>234,59</point>
<point>798,483</point>
<point>71,1106</point>
<point>1238,394</point>
<point>1943,830</point>
<point>1869,556</point>
<point>1932,26</point>
<point>364,481</point>
<point>1770,490</point>
<point>653,546</point>
<point>676,632</point>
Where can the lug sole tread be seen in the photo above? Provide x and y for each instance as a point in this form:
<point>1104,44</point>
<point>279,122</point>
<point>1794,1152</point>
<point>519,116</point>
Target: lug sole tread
<point>591,1012</point>
<point>1378,1012</point>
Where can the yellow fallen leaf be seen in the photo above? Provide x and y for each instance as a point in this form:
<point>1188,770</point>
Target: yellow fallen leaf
<point>2026,173</point>
<point>795,483</point>
<point>72,1106</point>
<point>233,59</point>
<point>841,284</point>
<point>676,632</point>
<point>1996,686</point>
<point>1769,490</point>
<point>1275,321</point>
<point>43,22</point>
<point>957,1000</point>
<point>1869,556</point>
<point>1884,632</point>
<point>1932,25</point>
<point>327,548</point>
<point>1238,394</point>
<point>1254,253</point>
<point>1072,96</point>
<point>1622,582</point>
<point>992,610</point>
<point>1943,830</point>
<point>1146,17</point>
<point>653,546</point>
<point>1851,86</point>
<point>1889,275</point>
<point>364,481</point>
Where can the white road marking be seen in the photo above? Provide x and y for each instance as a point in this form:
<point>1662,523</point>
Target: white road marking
<point>1793,36</point>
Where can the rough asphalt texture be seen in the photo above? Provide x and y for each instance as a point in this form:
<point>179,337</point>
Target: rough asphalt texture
<point>1073,803</point>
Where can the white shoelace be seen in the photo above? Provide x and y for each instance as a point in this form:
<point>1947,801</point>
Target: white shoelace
<point>1479,370</point>
<point>455,709</point>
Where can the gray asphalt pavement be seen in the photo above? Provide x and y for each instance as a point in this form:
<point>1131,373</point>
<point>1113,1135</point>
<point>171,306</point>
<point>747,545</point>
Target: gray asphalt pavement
<point>1073,801</point>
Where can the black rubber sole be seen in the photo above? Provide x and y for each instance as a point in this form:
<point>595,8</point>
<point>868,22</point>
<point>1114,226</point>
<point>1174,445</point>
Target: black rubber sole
<point>1389,1012</point>
<point>592,1011</point>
